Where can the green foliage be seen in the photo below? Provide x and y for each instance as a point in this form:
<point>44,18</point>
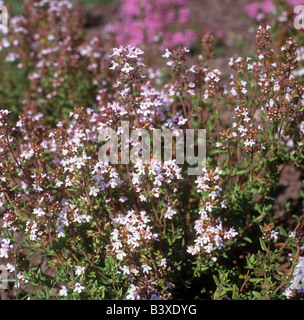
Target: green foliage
<point>224,240</point>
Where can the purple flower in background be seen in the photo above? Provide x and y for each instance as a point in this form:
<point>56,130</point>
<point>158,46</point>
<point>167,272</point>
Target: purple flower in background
<point>184,15</point>
<point>255,8</point>
<point>295,2</point>
<point>130,7</point>
<point>266,7</point>
<point>147,22</point>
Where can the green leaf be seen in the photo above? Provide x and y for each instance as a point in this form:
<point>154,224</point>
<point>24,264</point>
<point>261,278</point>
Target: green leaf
<point>263,245</point>
<point>297,217</point>
<point>241,171</point>
<point>216,280</point>
<point>235,293</point>
<point>247,239</point>
<point>256,280</point>
<point>112,262</point>
<point>268,207</point>
<point>257,295</point>
<point>257,207</point>
<point>282,231</point>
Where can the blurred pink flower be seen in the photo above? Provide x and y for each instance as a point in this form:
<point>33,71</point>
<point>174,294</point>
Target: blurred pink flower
<point>295,2</point>
<point>184,15</point>
<point>130,7</point>
<point>266,6</point>
<point>146,22</point>
<point>254,8</point>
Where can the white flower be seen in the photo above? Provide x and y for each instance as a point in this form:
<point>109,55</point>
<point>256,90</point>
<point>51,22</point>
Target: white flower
<point>288,293</point>
<point>10,267</point>
<point>125,270</point>
<point>78,287</point>
<point>249,143</point>
<point>297,282</point>
<point>116,51</point>
<point>223,204</point>
<point>79,270</point>
<point>123,199</point>
<point>146,268</point>
<point>231,233</point>
<point>301,126</point>
<point>233,92</point>
<point>230,61</point>
<point>170,212</point>
<point>192,251</point>
<point>132,293</point>
<point>209,206</point>
<point>114,65</point>
<point>93,191</point>
<point>244,90</point>
<point>27,154</point>
<point>120,255</point>
<point>21,277</point>
<point>163,262</point>
<point>170,285</point>
<point>39,212</point>
<point>5,247</point>
<point>127,68</point>
<point>192,69</point>
<point>142,198</point>
<point>274,235</point>
<point>276,87</point>
<point>63,291</point>
<point>167,54</point>
<point>117,245</point>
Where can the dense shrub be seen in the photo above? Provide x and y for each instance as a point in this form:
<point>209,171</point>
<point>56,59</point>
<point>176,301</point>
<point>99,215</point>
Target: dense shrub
<point>148,230</point>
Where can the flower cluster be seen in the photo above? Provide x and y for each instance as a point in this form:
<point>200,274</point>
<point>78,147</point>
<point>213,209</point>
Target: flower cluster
<point>210,232</point>
<point>269,232</point>
<point>150,179</point>
<point>131,232</point>
<point>6,248</point>
<point>147,229</point>
<point>297,283</point>
<point>138,96</point>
